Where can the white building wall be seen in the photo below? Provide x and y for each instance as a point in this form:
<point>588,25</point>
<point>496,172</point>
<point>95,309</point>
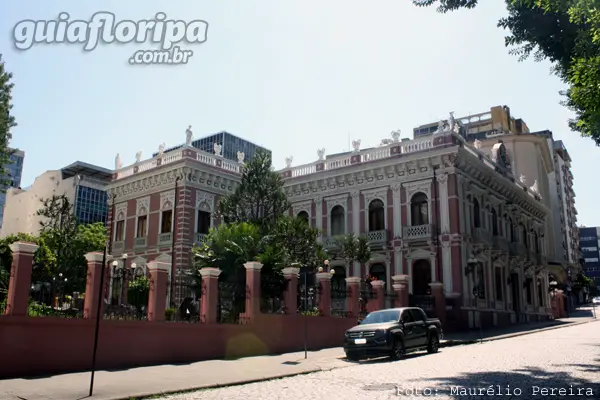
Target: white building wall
<point>20,212</point>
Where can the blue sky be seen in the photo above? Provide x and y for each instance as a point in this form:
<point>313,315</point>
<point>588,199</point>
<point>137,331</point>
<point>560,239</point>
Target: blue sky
<point>293,76</point>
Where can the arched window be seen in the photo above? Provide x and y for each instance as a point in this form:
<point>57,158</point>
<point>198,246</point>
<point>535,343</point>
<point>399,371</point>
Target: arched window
<point>303,215</point>
<point>511,228</point>
<point>338,221</point>
<point>536,242</point>
<point>376,216</point>
<point>494,222</point>
<point>419,209</point>
<point>524,235</point>
<point>476,214</point>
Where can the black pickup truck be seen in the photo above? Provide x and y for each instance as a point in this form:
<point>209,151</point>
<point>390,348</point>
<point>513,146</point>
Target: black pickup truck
<point>393,332</point>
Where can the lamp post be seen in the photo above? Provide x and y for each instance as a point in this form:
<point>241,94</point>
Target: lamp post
<point>472,264</point>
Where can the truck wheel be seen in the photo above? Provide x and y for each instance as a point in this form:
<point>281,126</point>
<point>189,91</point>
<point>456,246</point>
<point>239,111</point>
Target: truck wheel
<point>398,350</point>
<point>434,344</point>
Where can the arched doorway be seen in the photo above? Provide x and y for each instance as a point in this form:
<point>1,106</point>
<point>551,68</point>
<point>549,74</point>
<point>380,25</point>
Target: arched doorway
<point>378,271</point>
<point>421,277</point>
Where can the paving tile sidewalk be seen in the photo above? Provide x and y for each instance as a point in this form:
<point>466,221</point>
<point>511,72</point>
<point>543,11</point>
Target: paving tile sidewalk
<point>148,381</point>
<point>581,315</point>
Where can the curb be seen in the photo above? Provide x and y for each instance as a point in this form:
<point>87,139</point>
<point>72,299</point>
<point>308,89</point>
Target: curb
<point>451,343</point>
<point>448,343</point>
<point>216,385</point>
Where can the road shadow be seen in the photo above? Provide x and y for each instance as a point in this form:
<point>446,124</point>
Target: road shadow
<point>526,383</point>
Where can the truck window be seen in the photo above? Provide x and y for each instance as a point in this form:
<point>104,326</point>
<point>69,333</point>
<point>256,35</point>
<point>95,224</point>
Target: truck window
<point>407,316</point>
<point>418,315</point>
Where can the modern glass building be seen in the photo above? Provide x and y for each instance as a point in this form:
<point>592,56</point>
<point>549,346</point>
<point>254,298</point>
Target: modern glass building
<point>589,245</point>
<point>231,145</point>
<point>13,172</point>
<point>90,197</point>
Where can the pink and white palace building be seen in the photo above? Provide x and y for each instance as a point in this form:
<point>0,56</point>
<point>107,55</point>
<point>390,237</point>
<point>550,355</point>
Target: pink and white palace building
<point>436,209</point>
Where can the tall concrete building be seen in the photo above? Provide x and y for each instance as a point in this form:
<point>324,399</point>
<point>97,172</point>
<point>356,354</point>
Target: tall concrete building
<point>13,173</point>
<point>84,184</point>
<point>537,161</point>
<point>589,238</point>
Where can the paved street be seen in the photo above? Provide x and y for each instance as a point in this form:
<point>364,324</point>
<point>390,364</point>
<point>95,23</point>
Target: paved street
<point>526,367</point>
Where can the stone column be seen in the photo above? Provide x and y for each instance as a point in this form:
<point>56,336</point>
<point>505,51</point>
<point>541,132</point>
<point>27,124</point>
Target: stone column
<point>20,278</point>
<point>378,302</point>
<point>353,286</point>
<point>401,289</point>
<point>291,291</point>
<point>324,279</point>
<point>95,269</point>
<point>437,291</point>
<point>355,195</point>
<point>159,282</point>
<point>319,212</point>
<point>252,289</point>
<point>210,295</point>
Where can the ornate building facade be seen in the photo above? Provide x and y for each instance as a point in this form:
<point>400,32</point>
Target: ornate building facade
<point>434,209</point>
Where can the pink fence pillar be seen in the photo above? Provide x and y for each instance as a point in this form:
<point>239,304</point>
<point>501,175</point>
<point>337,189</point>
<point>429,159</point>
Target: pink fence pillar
<point>378,300</point>
<point>353,286</point>
<point>159,282</point>
<point>210,294</point>
<point>252,289</point>
<point>401,290</point>
<point>437,291</point>
<point>20,278</point>
<point>95,269</point>
<point>291,291</point>
<point>324,279</point>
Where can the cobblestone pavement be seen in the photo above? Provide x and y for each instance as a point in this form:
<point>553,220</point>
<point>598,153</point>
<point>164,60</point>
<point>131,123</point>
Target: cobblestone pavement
<point>526,367</point>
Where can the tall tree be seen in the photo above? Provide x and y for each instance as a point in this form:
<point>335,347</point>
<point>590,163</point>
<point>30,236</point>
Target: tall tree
<point>68,240</point>
<point>7,121</point>
<point>259,199</point>
<point>564,32</point>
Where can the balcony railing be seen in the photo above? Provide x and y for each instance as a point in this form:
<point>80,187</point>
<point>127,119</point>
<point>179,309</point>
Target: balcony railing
<point>199,237</point>
<point>165,238</point>
<point>482,235</point>
<point>331,242</point>
<point>140,242</point>
<point>417,232</point>
<point>177,155</point>
<point>377,238</point>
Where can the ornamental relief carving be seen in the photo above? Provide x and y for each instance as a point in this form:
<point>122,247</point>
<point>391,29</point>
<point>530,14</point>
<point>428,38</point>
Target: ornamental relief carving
<point>121,211</point>
<point>305,206</point>
<point>154,182</point>
<point>205,200</point>
<point>337,201</point>
<point>413,188</point>
<point>167,200</point>
<point>142,206</point>
<point>371,195</point>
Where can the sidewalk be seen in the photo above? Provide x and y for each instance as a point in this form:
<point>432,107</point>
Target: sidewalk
<point>149,381</point>
<point>581,315</point>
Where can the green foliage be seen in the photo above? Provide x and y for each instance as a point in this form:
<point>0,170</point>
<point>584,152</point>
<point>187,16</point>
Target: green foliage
<point>138,290</point>
<point>170,313</point>
<point>351,248</point>
<point>67,242</point>
<point>564,32</point>
<point>7,121</point>
<point>259,199</point>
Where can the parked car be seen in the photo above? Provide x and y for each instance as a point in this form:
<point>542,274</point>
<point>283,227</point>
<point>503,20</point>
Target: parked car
<point>393,332</point>
<point>596,301</point>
